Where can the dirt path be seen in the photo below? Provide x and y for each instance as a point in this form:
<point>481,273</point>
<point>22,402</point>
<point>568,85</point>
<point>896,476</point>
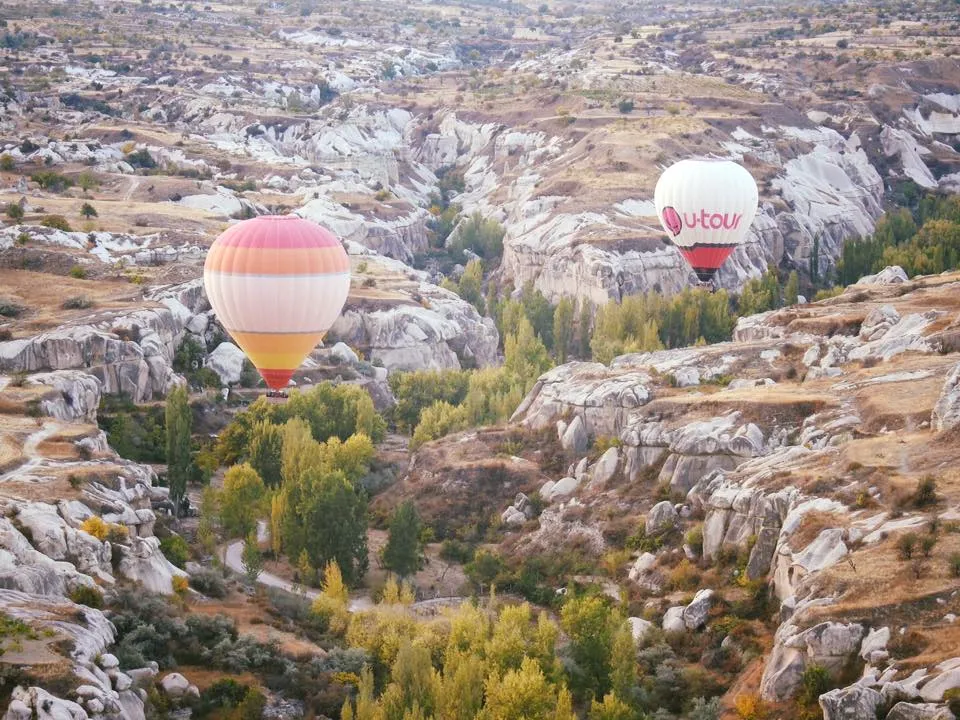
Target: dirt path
<point>134,184</point>
<point>30,450</point>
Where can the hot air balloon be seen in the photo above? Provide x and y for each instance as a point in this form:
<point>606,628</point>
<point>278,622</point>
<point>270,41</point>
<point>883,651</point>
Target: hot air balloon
<point>706,206</point>
<point>277,283</point>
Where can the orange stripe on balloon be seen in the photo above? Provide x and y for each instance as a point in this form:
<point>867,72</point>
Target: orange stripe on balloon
<point>277,261</point>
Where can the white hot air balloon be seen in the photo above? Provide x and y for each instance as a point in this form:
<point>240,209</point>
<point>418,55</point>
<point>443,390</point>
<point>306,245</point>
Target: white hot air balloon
<point>706,206</point>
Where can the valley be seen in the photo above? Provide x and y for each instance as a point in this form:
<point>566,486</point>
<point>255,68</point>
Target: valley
<point>535,469</point>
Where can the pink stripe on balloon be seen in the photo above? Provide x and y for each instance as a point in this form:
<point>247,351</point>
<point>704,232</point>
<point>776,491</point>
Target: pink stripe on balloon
<point>277,231</point>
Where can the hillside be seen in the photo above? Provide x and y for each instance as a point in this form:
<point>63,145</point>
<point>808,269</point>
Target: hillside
<point>754,516</point>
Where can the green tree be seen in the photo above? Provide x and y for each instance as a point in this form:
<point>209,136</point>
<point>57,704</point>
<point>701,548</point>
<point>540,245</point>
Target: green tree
<point>266,452</point>
<point>583,328</point>
<point>252,558</point>
<point>563,329</point>
<point>415,391</point>
<point>327,517</point>
<point>523,694</point>
<point>14,211</point>
<point>590,626</point>
<point>241,500</point>
<point>612,708</point>
<point>87,181</point>
<point>403,553</point>
<point>88,211</point>
<point>791,294</point>
<point>623,663</point>
<point>178,429</point>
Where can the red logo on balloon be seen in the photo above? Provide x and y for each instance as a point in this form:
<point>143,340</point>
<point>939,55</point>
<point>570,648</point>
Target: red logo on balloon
<point>671,218</point>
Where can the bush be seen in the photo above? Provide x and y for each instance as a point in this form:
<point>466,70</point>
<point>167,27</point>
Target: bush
<point>141,159</point>
<point>78,272</point>
<point>87,595</point>
<point>14,212</point>
<point>57,222</point>
<point>954,564</point>
<point>927,543</point>
<point>95,525</point>
<point>926,492</point>
<point>80,302</point>
<point>176,550</point>
<point>906,546</point>
<point>209,583</point>
<point>180,584</point>
<point>625,106</point>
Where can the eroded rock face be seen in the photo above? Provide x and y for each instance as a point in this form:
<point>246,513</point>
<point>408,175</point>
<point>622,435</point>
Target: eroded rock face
<point>445,332</point>
<point>919,711</point>
<point>852,703</point>
<point>828,644</point>
<point>75,396</point>
<point>946,413</point>
<point>226,361</point>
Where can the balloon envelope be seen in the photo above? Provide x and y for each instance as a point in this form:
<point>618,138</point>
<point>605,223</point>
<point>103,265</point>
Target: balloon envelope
<point>706,206</point>
<point>277,283</point>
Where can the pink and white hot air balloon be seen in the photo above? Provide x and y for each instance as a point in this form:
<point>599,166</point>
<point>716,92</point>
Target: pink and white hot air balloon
<point>706,206</point>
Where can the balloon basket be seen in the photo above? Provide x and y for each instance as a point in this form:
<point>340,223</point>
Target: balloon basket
<point>276,396</point>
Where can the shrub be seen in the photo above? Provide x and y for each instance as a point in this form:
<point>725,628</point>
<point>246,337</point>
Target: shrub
<point>141,159</point>
<point>625,106</point>
<point>209,583</point>
<point>7,162</point>
<point>926,492</point>
<point>180,584</point>
<point>87,595</point>
<point>95,525</point>
<point>10,309</point>
<point>57,222</point>
<point>78,272</point>
<point>80,302</point>
<point>927,543</point>
<point>118,533</point>
<point>750,707</point>
<point>954,563</point>
<point>14,212</point>
<point>694,538</point>
<point>684,576</point>
<point>906,546</point>
<point>176,550</point>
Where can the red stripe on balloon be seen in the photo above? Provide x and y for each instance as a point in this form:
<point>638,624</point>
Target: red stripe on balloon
<point>706,257</point>
<point>276,379</point>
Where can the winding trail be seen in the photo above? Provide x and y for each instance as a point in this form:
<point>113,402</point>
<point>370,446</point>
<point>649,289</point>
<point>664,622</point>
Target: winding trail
<point>30,449</point>
<point>232,558</point>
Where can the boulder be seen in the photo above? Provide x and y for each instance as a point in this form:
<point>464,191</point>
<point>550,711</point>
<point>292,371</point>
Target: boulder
<point>109,661</point>
<point>605,468</point>
<point>852,703</point>
<point>122,681</point>
<point>890,275</point>
<point>696,613</point>
<point>686,377</point>
<point>639,628</point>
<point>919,711</point>
<point>175,685</point>
<point>661,518</point>
<point>18,710</point>
<point>575,438</point>
<point>875,641</point>
<point>560,489</point>
<point>673,619</point>
<point>946,413</point>
<point>227,362</point>
<point>522,503</point>
<point>642,566</point>
<point>513,517</point>
<point>933,691</point>
<point>342,353</point>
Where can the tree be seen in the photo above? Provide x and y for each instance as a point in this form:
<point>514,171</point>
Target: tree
<point>583,328</point>
<point>589,624</point>
<point>14,211</point>
<point>523,693</point>
<point>792,292</point>
<point>327,517</point>
<point>266,450</point>
<point>252,558</point>
<point>240,500</point>
<point>88,211</point>
<point>612,708</point>
<point>178,425</point>
<point>562,329</point>
<point>7,163</point>
<point>623,663</point>
<point>87,181</point>
<point>402,553</point>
